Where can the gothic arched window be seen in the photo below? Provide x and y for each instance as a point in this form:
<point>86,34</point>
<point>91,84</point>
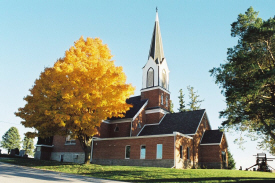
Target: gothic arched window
<point>150,77</point>
<point>164,79</point>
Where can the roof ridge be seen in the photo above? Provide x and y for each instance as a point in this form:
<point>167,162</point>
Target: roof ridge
<point>188,111</point>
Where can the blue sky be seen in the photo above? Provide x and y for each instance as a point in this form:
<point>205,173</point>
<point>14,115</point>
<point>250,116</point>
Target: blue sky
<point>195,35</point>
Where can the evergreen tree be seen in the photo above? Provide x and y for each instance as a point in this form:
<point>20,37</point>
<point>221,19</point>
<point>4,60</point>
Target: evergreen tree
<point>28,146</point>
<point>247,79</point>
<point>171,107</point>
<point>181,102</point>
<point>11,139</point>
<point>194,103</point>
<point>231,161</point>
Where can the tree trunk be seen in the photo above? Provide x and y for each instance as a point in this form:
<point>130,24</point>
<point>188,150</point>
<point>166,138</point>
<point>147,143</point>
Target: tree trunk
<point>86,147</point>
<point>87,151</point>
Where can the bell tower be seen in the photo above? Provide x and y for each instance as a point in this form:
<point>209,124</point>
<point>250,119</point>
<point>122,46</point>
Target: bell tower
<point>155,78</point>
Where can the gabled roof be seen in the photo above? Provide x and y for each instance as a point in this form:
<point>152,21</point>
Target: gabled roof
<point>156,48</point>
<point>183,122</point>
<point>137,105</point>
<point>212,137</point>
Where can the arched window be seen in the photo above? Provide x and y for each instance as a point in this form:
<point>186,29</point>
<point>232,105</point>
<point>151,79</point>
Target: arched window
<point>164,79</point>
<point>116,129</point>
<point>139,124</point>
<point>150,77</point>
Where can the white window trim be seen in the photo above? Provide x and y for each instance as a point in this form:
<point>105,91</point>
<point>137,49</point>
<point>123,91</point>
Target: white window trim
<point>144,154</point>
<point>70,141</point>
<point>154,88</point>
<point>126,151</point>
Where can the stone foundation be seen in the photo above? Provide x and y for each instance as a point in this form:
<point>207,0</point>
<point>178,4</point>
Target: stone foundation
<point>184,164</point>
<point>75,157</point>
<point>167,163</point>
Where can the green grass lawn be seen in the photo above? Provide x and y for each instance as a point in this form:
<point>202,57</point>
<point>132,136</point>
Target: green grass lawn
<point>146,174</point>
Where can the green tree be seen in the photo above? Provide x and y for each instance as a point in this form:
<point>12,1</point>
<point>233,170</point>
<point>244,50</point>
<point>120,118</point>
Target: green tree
<point>171,107</point>
<point>28,146</point>
<point>247,79</point>
<point>11,139</point>
<point>231,161</point>
<point>181,102</point>
<point>194,103</point>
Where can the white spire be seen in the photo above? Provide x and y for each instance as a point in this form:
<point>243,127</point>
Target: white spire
<point>157,17</point>
<point>156,49</point>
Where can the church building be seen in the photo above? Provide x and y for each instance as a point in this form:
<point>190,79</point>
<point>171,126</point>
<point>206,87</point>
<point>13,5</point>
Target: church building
<point>149,135</point>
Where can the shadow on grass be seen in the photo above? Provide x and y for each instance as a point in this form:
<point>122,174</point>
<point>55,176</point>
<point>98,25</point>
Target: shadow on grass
<point>141,176</point>
<point>211,179</point>
<point>134,175</point>
<point>30,162</point>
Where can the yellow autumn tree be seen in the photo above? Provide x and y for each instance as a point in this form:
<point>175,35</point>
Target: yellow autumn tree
<point>75,95</point>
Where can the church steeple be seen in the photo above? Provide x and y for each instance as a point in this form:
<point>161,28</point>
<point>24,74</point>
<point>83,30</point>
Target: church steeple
<point>155,79</point>
<point>156,72</point>
<point>156,48</point>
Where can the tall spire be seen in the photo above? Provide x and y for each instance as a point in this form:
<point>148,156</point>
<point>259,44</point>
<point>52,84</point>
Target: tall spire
<point>156,49</point>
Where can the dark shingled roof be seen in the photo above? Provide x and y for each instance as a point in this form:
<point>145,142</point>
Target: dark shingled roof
<point>137,104</point>
<point>183,122</point>
<point>212,137</point>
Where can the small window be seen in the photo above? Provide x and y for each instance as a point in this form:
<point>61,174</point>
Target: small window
<point>166,102</point>
<point>139,124</point>
<point>38,148</point>
<point>164,79</point>
<point>69,140</point>
<point>61,157</point>
<point>150,77</point>
<point>116,129</point>
<point>127,152</point>
<point>223,157</point>
<point>181,152</point>
<point>162,99</point>
<point>142,152</point>
<point>159,151</point>
<point>188,153</point>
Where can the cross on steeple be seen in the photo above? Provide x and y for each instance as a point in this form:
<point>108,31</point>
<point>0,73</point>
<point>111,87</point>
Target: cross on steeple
<point>156,9</point>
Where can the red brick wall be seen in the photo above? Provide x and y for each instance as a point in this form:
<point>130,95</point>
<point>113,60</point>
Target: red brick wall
<point>59,145</point>
<point>210,153</point>
<point>115,149</point>
<point>124,129</point>
<point>154,97</point>
<point>140,118</point>
<point>153,118</point>
<point>107,130</point>
<point>213,153</point>
<point>204,125</point>
<point>223,147</point>
<point>103,131</point>
<point>184,142</point>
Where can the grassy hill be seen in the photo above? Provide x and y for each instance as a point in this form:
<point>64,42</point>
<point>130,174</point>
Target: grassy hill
<point>147,174</point>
